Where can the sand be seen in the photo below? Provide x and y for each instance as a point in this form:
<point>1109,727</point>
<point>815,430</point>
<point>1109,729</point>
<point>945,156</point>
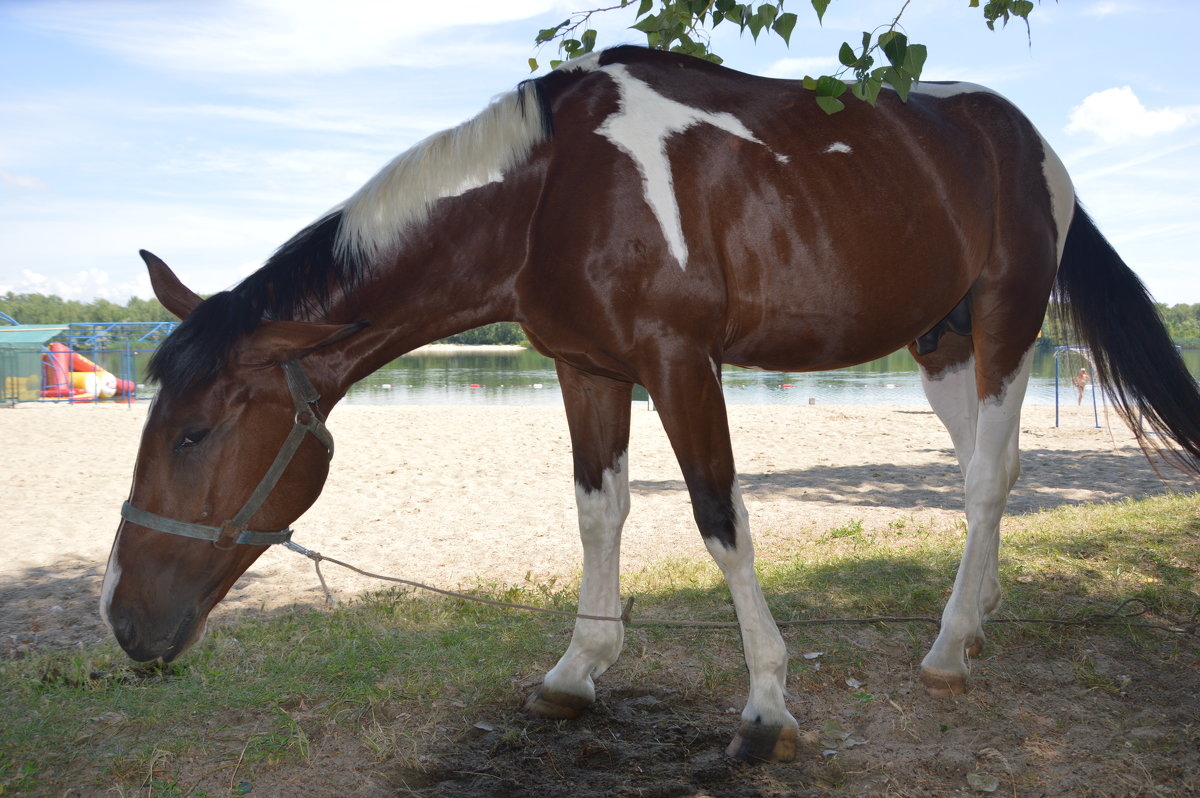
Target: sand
<point>451,495</point>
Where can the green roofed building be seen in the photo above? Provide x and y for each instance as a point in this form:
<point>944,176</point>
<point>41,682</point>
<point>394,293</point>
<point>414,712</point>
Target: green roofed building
<point>21,360</point>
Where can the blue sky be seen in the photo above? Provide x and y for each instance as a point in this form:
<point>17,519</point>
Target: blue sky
<point>210,132</point>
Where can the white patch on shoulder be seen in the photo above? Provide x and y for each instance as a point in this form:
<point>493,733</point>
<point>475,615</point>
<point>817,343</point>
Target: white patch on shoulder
<point>839,146</point>
<point>641,128</point>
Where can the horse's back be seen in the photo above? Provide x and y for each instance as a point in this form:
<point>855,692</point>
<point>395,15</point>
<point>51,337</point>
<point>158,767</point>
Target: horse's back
<point>796,239</point>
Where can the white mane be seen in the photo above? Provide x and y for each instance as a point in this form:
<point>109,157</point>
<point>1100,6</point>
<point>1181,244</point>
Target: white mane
<point>446,164</point>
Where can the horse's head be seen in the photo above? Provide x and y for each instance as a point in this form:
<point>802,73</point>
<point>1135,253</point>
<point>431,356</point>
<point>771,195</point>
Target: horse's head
<point>227,461</point>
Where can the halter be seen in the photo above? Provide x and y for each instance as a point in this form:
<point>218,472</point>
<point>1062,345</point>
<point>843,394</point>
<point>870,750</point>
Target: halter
<point>309,419</point>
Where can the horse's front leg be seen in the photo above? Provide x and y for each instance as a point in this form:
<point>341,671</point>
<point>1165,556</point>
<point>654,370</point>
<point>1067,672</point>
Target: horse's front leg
<point>692,410</point>
<point>598,412</point>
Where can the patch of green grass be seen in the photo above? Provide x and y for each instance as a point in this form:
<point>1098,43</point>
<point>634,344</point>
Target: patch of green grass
<point>398,669</point>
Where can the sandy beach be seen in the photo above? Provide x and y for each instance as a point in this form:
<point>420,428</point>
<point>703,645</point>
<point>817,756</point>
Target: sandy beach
<point>451,495</point>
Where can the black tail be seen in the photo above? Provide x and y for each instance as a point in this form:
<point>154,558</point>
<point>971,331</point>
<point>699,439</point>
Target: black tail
<point>1109,309</point>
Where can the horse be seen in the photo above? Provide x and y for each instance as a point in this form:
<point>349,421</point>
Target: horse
<point>646,217</point>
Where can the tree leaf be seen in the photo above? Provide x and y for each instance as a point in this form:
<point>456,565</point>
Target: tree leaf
<point>829,86</point>
<point>819,6</point>
<point>895,47</point>
<point>847,56</point>
<point>755,23</point>
<point>645,7</point>
<point>533,65</point>
<point>784,25</point>
<point>898,79</point>
<point>867,89</point>
<point>650,24</point>
<point>914,60</point>
<point>830,105</point>
<point>766,13</point>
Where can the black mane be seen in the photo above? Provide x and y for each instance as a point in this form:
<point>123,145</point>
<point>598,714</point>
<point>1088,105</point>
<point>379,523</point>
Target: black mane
<point>297,281</point>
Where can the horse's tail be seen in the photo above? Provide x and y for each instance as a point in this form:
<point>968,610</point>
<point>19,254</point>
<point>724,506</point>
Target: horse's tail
<point>1110,311</point>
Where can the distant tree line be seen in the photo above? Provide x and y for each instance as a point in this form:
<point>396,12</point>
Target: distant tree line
<point>1183,321</point>
<point>41,309</point>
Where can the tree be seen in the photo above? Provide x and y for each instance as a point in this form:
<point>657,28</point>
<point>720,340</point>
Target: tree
<point>884,56</point>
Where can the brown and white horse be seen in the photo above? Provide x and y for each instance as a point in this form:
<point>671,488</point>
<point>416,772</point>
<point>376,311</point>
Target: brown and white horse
<point>646,217</point>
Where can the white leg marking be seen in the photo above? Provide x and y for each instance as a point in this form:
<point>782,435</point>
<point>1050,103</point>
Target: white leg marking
<point>766,655</point>
<point>989,475</point>
<point>595,645</point>
<point>953,397</point>
<point>641,128</point>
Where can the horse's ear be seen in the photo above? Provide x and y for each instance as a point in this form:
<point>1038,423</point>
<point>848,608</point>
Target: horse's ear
<point>174,295</point>
<point>278,341</point>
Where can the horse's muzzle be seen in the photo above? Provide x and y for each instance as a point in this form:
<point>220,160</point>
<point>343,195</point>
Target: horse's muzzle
<point>146,639</point>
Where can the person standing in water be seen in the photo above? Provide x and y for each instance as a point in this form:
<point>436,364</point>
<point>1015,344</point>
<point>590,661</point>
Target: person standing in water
<point>1080,382</point>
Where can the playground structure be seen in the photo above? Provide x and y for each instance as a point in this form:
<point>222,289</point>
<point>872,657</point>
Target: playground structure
<point>66,374</point>
<point>87,362</point>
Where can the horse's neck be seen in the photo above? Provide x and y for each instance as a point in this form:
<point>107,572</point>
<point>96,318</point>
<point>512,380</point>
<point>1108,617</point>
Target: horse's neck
<point>456,272</point>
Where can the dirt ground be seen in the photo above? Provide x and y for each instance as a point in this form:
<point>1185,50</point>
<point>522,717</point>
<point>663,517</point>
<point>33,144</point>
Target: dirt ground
<point>1088,715</point>
<point>487,490</point>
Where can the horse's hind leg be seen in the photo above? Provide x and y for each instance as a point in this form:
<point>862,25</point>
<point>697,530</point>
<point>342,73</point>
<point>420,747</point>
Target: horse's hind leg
<point>983,418</point>
<point>692,410</point>
<point>598,415</point>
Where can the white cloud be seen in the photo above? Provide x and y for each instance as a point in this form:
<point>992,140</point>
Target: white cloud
<point>21,181</point>
<point>1103,8</point>
<point>273,36</point>
<point>1117,115</point>
<point>800,67</point>
<point>85,285</point>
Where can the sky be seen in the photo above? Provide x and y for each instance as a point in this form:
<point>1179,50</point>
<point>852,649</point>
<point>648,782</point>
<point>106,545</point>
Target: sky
<point>210,132</point>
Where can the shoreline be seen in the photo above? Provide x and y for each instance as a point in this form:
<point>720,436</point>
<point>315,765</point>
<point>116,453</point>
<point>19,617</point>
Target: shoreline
<point>460,348</point>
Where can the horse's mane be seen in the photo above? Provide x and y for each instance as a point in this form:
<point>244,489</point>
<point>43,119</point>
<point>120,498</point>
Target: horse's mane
<point>334,254</point>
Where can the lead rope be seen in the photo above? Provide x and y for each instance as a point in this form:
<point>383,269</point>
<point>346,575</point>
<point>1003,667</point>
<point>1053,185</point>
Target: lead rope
<point>318,558</point>
<point>1129,608</point>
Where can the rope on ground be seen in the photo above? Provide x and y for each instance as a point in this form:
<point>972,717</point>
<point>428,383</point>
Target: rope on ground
<point>1129,608</point>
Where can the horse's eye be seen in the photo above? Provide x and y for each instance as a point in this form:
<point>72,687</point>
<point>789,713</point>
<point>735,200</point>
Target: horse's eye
<point>190,439</point>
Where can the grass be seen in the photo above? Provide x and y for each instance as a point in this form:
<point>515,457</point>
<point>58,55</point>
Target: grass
<point>402,671</point>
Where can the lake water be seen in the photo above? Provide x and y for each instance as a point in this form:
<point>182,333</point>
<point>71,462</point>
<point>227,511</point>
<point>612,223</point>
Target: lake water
<point>522,377</point>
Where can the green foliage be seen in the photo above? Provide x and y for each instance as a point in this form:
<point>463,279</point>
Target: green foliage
<point>1004,10</point>
<point>42,309</point>
<point>504,332</point>
<point>683,26</point>
<point>1182,322</point>
<point>680,26</point>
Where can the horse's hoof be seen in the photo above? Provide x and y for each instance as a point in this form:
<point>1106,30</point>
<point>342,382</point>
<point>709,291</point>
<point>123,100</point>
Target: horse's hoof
<point>976,647</point>
<point>546,703</point>
<point>757,742</point>
<point>940,683</point>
